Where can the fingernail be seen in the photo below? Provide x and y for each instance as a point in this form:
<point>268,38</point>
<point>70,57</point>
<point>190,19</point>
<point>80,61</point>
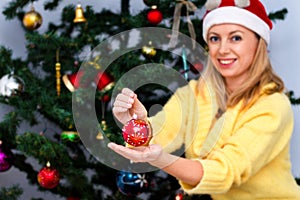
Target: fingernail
<point>131,100</point>
<point>109,145</point>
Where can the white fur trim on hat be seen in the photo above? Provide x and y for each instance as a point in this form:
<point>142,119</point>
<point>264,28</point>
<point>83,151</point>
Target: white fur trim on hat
<point>236,15</point>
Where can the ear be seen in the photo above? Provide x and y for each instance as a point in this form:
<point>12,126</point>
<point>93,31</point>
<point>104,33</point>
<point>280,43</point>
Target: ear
<point>242,3</point>
<point>212,4</point>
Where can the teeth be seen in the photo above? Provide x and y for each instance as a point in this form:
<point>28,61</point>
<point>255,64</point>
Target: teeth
<point>226,62</point>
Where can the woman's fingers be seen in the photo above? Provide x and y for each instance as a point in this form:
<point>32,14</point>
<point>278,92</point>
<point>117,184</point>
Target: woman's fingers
<point>128,92</point>
<point>126,152</point>
<point>122,104</point>
<point>124,100</point>
<point>121,98</point>
<point>137,154</point>
<point>126,105</point>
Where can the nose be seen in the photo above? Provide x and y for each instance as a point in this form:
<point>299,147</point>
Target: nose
<point>224,47</point>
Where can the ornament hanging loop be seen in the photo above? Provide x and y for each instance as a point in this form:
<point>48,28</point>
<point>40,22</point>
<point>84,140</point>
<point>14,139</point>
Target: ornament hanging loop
<point>176,23</point>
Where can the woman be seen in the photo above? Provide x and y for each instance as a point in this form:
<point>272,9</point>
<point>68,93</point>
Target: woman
<point>235,121</point>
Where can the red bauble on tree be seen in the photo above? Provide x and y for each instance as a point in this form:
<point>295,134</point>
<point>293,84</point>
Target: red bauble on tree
<point>48,177</point>
<point>136,132</point>
<point>178,195</point>
<point>154,16</point>
<point>196,68</point>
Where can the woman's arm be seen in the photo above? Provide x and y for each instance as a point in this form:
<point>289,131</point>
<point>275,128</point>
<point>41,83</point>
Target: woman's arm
<point>188,171</point>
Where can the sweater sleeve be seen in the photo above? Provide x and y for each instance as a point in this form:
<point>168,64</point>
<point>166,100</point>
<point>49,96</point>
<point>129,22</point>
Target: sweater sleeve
<point>169,125</point>
<point>259,135</point>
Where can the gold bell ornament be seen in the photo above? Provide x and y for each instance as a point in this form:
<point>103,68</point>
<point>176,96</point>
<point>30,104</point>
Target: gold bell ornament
<point>32,20</point>
<point>148,50</point>
<point>79,17</point>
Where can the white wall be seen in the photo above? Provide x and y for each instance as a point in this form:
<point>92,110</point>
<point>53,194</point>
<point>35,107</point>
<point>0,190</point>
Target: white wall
<point>284,54</point>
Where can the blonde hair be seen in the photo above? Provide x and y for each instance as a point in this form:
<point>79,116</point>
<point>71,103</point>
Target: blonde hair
<point>260,74</point>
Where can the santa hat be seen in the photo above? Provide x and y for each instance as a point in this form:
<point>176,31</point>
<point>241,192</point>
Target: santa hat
<point>248,13</point>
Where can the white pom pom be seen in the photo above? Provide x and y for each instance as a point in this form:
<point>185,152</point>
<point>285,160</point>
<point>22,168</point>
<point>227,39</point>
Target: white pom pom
<point>212,4</point>
<point>242,3</point>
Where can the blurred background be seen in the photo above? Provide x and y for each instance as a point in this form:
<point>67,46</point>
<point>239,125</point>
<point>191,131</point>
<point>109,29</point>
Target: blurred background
<point>49,116</point>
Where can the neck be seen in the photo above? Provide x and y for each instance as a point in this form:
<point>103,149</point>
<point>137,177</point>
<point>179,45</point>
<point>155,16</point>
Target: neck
<point>233,84</point>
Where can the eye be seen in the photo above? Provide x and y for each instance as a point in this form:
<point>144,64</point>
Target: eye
<point>213,39</point>
<point>236,38</point>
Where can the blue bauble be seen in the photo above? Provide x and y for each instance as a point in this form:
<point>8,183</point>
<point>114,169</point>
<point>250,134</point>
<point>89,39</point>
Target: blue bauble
<point>131,184</point>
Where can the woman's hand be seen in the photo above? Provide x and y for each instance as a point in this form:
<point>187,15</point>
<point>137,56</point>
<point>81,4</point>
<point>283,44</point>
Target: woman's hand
<point>138,154</point>
<point>126,105</point>
<point>189,171</point>
<point>153,154</point>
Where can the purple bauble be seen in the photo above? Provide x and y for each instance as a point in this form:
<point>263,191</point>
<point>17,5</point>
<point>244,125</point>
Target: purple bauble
<point>6,157</point>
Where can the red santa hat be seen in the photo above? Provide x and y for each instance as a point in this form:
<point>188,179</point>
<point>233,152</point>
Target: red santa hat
<point>248,13</point>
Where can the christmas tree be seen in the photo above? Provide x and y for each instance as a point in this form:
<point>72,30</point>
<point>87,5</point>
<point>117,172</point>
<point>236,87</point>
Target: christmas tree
<point>53,80</point>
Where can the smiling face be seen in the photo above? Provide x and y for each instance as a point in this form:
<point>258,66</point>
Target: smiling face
<point>232,48</point>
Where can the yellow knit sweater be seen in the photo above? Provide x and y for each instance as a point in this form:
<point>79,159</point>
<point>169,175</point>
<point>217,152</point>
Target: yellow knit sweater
<point>245,154</point>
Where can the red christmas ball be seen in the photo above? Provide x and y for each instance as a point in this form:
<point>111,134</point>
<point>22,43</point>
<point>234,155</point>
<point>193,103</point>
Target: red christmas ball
<point>154,16</point>
<point>105,98</point>
<point>196,68</point>
<point>48,177</point>
<point>179,196</point>
<point>136,132</point>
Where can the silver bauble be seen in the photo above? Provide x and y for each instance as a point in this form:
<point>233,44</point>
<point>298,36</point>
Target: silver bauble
<point>11,85</point>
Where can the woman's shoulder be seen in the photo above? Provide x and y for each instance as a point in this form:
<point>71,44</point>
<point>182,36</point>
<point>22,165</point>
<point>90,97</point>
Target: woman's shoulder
<point>276,103</point>
<point>197,88</point>
<point>276,98</point>
<point>269,96</point>
<point>190,87</point>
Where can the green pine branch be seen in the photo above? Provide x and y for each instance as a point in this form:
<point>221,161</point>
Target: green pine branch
<point>294,100</point>
<point>11,193</point>
<point>8,128</point>
<point>278,15</point>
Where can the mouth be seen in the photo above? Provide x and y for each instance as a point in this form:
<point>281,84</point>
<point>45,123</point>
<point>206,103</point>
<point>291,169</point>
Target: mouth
<point>226,62</point>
